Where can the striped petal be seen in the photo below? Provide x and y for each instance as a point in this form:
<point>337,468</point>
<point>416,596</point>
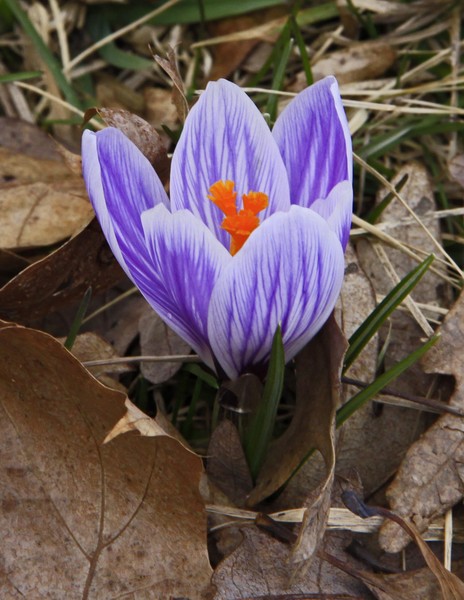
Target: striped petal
<point>314,140</point>
<point>122,184</point>
<point>290,273</point>
<point>337,209</point>
<point>225,137</point>
<point>188,261</point>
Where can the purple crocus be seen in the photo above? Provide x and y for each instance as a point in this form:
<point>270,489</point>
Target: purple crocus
<point>255,229</point>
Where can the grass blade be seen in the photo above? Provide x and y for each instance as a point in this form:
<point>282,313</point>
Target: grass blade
<point>371,325</point>
<point>12,77</point>
<point>305,62</point>
<point>77,322</point>
<point>260,430</point>
<point>44,53</point>
<point>279,71</point>
<point>382,381</point>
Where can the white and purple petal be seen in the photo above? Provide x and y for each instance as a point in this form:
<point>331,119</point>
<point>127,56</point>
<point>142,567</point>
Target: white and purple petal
<point>91,171</point>
<point>225,137</point>
<point>121,184</point>
<point>188,261</point>
<point>315,143</point>
<point>289,272</point>
<point>337,209</point>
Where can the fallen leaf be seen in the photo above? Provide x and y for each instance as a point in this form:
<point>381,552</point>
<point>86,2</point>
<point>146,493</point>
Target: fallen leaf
<point>318,381</point>
<point>157,339</point>
<point>318,368</point>
<point>89,346</point>
<point>358,62</point>
<point>19,168</point>
<point>61,277</point>
<point>258,568</point>
<point>121,325</point>
<point>371,432</point>
<point>111,91</point>
<point>227,467</point>
<point>80,519</point>
<point>431,477</point>
<point>365,434</point>
<point>406,333</point>
<point>169,65</point>
<point>452,588</point>
<point>141,133</point>
<point>41,201</point>
<point>159,109</point>
<point>136,420</point>
<point>20,137</point>
<point>41,214</point>
<point>230,55</point>
<point>456,169</point>
<point>410,585</point>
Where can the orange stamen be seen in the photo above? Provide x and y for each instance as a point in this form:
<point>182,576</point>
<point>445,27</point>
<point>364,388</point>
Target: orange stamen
<point>255,201</point>
<point>239,224</point>
<point>223,196</point>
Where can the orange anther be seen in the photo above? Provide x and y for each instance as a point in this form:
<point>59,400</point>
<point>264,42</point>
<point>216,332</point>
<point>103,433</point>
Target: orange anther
<point>239,224</point>
<point>255,202</point>
<point>223,196</point>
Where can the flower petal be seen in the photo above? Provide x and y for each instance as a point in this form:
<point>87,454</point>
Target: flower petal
<point>122,184</point>
<point>91,171</point>
<point>188,261</point>
<point>337,209</point>
<point>314,140</point>
<point>225,137</point>
<point>290,273</point>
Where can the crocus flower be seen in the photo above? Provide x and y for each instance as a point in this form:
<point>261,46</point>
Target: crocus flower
<point>255,229</point>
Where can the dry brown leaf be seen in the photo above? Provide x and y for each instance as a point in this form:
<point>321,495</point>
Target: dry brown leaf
<point>136,420</point>
<point>159,109</point>
<point>431,477</point>
<point>317,398</point>
<point>318,369</point>
<point>78,518</point>
<point>402,332</point>
<point>259,569</point>
<point>41,214</point>
<point>20,168</point>
<point>456,169</point>
<point>169,65</point>
<point>157,339</point>
<point>358,62</point>
<point>41,201</point>
<point>141,133</point>
<point>230,55</point>
<point>410,585</point>
<point>360,438</point>
<point>406,335</point>
<point>227,466</point>
<point>20,137</point>
<point>61,277</point>
<point>121,326</point>
<point>90,346</point>
<point>111,92</point>
<point>452,588</point>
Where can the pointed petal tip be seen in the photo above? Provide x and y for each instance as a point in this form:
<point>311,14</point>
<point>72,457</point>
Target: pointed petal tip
<point>314,140</point>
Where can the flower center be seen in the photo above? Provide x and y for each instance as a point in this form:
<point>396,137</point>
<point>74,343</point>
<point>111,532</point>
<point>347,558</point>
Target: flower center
<point>239,224</point>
